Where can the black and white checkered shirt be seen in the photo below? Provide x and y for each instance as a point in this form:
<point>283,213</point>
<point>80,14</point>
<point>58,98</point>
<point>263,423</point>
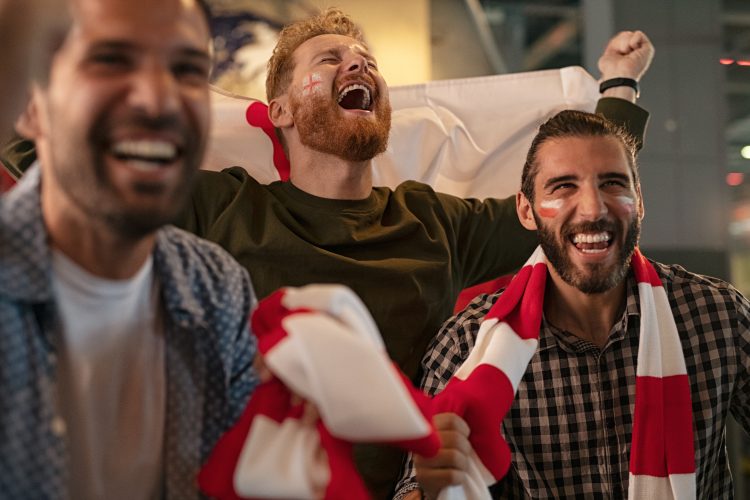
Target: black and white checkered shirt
<point>570,425</point>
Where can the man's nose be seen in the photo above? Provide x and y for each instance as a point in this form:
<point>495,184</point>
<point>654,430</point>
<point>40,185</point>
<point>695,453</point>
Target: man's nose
<point>355,63</point>
<point>155,91</point>
<point>591,203</point>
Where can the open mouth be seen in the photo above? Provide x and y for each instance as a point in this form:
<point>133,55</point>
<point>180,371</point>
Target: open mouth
<point>146,154</point>
<point>355,97</point>
<point>592,243</point>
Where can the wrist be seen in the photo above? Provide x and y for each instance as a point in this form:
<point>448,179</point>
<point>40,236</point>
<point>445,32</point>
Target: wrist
<point>620,87</point>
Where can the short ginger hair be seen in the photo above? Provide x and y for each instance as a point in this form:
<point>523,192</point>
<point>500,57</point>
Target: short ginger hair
<point>332,21</point>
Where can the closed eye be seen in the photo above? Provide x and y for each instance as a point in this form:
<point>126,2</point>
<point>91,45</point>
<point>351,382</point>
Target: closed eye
<point>562,186</point>
<point>615,185</point>
<point>110,60</point>
<point>191,70</point>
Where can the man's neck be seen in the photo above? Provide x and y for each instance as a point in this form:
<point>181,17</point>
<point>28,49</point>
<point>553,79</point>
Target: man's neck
<point>328,176</point>
<point>587,316</point>
<point>90,243</point>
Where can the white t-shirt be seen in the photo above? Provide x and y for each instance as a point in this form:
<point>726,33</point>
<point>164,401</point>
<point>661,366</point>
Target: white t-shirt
<point>112,376</point>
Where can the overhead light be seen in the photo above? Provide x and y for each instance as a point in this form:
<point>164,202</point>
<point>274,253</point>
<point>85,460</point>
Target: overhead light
<point>726,61</point>
<point>743,63</point>
<point>735,178</point>
<point>745,152</point>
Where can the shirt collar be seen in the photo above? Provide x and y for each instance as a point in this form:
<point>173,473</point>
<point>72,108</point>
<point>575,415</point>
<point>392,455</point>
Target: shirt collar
<point>25,258</point>
<point>551,336</point>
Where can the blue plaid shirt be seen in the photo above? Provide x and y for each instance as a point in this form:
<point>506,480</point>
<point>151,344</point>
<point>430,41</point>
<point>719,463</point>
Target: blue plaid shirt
<point>206,298</point>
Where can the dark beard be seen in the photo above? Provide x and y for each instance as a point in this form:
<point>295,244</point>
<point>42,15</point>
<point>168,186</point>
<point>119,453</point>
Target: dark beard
<point>136,223</point>
<point>321,128</point>
<point>92,189</point>
<point>600,278</point>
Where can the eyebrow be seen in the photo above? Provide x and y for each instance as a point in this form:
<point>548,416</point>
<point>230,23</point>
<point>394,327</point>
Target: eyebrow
<point>616,176</point>
<point>561,178</point>
<point>571,177</point>
<point>327,52</point>
<point>336,51</point>
<point>130,46</point>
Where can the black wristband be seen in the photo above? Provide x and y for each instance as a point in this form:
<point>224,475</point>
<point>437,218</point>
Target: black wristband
<point>620,82</point>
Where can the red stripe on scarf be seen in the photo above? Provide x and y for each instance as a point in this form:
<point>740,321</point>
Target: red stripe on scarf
<point>272,399</point>
<point>521,304</point>
<point>662,427</point>
<point>644,271</point>
<point>266,321</point>
<point>482,400</point>
<point>345,481</point>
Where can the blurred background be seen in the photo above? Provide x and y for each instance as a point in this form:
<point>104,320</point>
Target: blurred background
<point>695,166</point>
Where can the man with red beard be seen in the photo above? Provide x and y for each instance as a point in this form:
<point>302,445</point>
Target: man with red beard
<point>406,252</point>
<point>626,390</point>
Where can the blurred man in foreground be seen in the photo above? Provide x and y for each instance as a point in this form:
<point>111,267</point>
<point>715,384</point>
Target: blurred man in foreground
<point>124,344</point>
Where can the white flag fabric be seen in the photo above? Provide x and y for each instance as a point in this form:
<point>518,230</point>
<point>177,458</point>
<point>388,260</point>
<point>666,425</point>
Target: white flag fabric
<point>464,137</point>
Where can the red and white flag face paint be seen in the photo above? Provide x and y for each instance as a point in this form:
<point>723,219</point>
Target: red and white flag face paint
<point>312,84</point>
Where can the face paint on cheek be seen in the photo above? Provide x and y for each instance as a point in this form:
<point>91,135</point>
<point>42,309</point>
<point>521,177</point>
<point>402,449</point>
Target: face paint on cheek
<point>312,83</point>
<point>550,208</point>
<point>626,202</point>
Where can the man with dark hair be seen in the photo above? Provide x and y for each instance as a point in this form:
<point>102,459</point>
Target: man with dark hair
<point>124,344</point>
<point>632,368</point>
<point>406,252</point>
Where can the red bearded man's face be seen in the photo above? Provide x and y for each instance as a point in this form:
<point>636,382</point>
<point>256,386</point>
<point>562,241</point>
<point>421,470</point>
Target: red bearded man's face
<point>338,99</point>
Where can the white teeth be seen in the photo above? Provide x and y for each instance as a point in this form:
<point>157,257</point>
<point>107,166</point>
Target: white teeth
<point>148,150</point>
<point>590,238</point>
<point>593,250</point>
<point>356,86</point>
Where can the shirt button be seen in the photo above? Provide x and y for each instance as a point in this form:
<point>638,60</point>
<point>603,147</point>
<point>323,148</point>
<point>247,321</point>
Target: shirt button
<point>58,426</point>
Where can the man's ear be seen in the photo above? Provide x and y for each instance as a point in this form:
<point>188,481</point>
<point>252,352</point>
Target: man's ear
<point>28,124</point>
<point>279,112</point>
<point>641,207</point>
<point>525,212</point>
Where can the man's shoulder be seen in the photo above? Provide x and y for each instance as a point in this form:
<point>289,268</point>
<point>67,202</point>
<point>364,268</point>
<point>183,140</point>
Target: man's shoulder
<point>418,195</point>
<point>683,284</point>
<point>474,312</point>
<point>229,178</point>
<point>191,250</point>
<point>190,266</point>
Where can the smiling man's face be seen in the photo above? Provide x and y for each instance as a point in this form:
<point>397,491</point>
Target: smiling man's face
<point>338,99</point>
<point>123,122</point>
<point>587,210</point>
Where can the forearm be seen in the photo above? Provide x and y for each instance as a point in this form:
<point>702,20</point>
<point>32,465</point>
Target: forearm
<point>622,92</point>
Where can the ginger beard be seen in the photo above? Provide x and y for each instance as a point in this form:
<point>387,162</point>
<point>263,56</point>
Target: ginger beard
<point>354,138</point>
<point>597,278</point>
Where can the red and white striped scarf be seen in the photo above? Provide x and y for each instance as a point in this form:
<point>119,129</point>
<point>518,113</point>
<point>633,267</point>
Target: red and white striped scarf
<point>322,345</point>
<point>662,458</point>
